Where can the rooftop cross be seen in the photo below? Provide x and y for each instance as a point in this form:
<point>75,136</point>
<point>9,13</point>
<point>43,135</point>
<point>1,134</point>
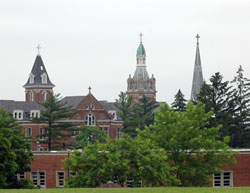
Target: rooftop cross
<point>140,37</point>
<point>197,37</point>
<point>89,89</point>
<point>38,48</point>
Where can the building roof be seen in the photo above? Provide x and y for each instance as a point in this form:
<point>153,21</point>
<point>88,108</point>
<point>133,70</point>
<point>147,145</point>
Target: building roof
<point>37,71</point>
<point>141,50</point>
<point>73,101</point>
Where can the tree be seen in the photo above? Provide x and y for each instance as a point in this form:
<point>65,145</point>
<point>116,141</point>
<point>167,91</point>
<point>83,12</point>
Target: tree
<point>179,103</point>
<point>124,105</point>
<point>192,147</point>
<point>15,151</point>
<point>217,98</point>
<point>241,98</point>
<point>89,135</point>
<point>118,161</point>
<point>54,116</point>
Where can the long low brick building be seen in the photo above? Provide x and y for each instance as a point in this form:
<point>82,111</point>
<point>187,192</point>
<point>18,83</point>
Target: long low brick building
<point>47,170</point>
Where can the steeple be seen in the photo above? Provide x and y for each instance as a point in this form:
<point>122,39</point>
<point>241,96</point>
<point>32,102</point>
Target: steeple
<point>141,84</point>
<point>197,76</point>
<point>38,85</point>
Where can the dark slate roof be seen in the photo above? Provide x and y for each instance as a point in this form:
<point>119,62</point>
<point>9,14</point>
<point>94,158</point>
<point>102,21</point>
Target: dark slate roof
<point>110,106</point>
<point>26,107</point>
<point>37,70</point>
<point>73,101</point>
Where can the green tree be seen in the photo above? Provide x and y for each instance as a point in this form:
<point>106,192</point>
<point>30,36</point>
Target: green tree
<point>124,105</point>
<point>15,149</point>
<point>54,116</point>
<point>179,103</point>
<point>241,98</point>
<point>192,147</point>
<point>119,161</point>
<point>217,98</point>
<point>89,135</point>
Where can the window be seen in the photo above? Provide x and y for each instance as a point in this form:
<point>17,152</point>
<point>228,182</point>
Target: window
<point>44,78</point>
<point>18,114</point>
<point>59,178</point>
<point>41,132</point>
<point>106,129</point>
<point>38,178</point>
<point>118,133</point>
<point>90,120</point>
<point>44,94</point>
<point>113,113</point>
<point>28,132</point>
<point>20,176</point>
<point>223,179</point>
<point>32,78</point>
<point>34,114</point>
<point>31,96</point>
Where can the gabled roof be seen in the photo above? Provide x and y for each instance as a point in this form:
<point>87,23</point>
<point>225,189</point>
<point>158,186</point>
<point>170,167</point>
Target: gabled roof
<point>73,101</point>
<point>37,71</point>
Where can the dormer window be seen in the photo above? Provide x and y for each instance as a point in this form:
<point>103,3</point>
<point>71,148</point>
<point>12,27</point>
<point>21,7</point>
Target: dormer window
<point>44,78</point>
<point>34,114</point>
<point>114,115</point>
<point>18,114</point>
<point>32,78</point>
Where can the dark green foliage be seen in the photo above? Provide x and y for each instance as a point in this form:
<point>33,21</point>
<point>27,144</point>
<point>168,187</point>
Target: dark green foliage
<point>120,160</point>
<point>89,135</point>
<point>55,115</point>
<point>179,103</point>
<point>15,153</point>
<point>192,147</point>
<point>241,99</point>
<point>217,98</point>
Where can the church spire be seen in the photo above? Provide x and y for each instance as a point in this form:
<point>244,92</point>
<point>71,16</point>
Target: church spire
<point>197,76</point>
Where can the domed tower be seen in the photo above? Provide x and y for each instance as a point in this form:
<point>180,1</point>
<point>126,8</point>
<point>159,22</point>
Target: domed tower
<point>141,84</point>
<point>38,88</point>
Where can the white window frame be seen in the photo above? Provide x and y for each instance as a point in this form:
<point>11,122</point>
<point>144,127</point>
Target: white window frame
<point>219,179</point>
<point>44,95</point>
<point>18,114</point>
<point>21,176</point>
<point>113,113</point>
<point>90,119</point>
<point>44,78</point>
<point>34,114</point>
<point>39,179</point>
<point>60,180</point>
<point>32,78</point>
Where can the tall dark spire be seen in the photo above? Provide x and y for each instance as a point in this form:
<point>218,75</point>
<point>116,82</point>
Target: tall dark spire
<point>197,76</point>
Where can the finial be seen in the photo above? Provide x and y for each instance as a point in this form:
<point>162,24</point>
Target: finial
<point>197,37</point>
<point>140,37</point>
<point>89,89</point>
<point>38,48</point>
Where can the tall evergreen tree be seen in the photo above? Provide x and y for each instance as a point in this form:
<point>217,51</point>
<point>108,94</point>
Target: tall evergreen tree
<point>241,98</point>
<point>54,115</point>
<point>179,103</point>
<point>217,98</point>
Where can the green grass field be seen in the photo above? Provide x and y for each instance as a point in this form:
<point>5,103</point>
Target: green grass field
<point>133,190</point>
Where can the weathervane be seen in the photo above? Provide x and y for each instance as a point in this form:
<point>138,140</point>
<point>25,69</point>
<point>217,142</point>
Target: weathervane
<point>38,48</point>
<point>140,37</point>
<point>197,37</point>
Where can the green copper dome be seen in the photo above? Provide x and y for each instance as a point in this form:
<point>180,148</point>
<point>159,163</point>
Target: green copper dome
<point>141,51</point>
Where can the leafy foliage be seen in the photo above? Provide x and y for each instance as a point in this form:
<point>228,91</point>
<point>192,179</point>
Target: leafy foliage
<point>90,135</point>
<point>54,115</point>
<point>192,147</point>
<point>15,151</point>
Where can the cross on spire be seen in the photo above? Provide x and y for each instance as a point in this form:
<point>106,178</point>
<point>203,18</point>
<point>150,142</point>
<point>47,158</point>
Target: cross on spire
<point>38,48</point>
<point>89,89</point>
<point>140,37</point>
<point>197,37</point>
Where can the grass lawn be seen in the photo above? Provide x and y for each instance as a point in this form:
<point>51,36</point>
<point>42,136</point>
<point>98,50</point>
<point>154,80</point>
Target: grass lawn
<point>133,190</point>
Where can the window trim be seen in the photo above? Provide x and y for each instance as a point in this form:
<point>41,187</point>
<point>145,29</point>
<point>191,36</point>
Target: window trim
<point>38,178</point>
<point>58,180</point>
<point>222,180</point>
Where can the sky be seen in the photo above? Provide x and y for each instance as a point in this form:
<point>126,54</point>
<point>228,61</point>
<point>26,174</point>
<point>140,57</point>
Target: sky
<point>94,42</point>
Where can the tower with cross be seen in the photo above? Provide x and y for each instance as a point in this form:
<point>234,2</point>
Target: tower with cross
<point>141,84</point>
<point>38,88</point>
<point>197,75</point>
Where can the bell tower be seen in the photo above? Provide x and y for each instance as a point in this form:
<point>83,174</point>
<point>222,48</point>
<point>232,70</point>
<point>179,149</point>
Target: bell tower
<point>38,88</point>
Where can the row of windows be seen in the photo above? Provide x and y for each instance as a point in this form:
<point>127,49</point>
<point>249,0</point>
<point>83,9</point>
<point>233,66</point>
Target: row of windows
<point>44,96</point>
<point>43,77</point>
<point>18,114</point>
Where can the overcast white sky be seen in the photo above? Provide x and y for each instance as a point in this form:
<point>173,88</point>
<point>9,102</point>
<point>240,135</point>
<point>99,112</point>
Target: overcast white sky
<point>93,43</point>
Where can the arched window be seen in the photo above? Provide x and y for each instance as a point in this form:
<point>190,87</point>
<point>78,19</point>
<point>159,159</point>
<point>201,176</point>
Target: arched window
<point>44,95</point>
<point>90,120</point>
<point>31,96</point>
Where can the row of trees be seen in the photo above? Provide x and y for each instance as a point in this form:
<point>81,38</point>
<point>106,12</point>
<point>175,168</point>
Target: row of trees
<point>230,104</point>
<point>178,149</point>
